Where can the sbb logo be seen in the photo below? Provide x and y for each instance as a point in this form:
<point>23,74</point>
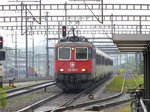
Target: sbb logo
<point>72,64</point>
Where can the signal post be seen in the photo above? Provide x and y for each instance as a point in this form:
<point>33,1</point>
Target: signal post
<point>1,76</point>
<point>2,58</point>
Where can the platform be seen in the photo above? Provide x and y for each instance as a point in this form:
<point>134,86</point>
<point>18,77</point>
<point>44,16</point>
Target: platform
<point>131,42</point>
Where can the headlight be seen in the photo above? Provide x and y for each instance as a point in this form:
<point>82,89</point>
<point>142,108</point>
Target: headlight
<point>83,70</point>
<point>61,70</point>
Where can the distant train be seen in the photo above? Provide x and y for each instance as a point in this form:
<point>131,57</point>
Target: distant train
<point>78,64</point>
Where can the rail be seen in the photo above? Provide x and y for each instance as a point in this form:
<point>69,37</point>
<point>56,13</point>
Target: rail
<point>27,89</point>
<point>40,103</point>
<point>67,106</point>
<point>30,108</point>
<point>143,105</point>
<point>138,100</point>
<point>108,105</point>
<point>89,102</point>
<point>86,91</point>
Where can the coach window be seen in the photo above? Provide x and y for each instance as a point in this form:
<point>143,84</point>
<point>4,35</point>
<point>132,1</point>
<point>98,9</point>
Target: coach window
<point>64,53</point>
<point>89,53</point>
<point>81,54</point>
<point>56,53</point>
<point>103,60</point>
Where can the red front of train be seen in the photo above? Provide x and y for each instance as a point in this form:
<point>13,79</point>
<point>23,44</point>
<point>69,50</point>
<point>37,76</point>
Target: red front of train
<point>74,65</point>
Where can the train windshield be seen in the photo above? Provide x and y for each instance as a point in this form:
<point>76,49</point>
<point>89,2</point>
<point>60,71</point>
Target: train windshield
<point>64,53</point>
<point>81,53</point>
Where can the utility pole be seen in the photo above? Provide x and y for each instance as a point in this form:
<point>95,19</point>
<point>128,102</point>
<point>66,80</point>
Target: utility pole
<point>66,14</point>
<point>26,28</point>
<point>32,50</point>
<point>112,26</point>
<point>58,30</point>
<point>120,60</point>
<point>136,62</point>
<point>140,60</point>
<point>26,39</point>
<point>126,59</point>
<point>47,50</point>
<point>140,23</point>
<point>117,63</point>
<point>16,64</point>
<point>102,11</point>
<point>33,54</point>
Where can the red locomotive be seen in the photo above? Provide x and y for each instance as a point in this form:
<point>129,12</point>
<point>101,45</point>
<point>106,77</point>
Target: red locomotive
<point>78,64</point>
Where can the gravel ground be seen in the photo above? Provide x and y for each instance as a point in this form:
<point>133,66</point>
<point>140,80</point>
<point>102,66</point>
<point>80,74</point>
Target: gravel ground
<point>63,98</point>
<point>114,109</point>
<point>23,101</point>
<point>100,92</point>
<point>56,103</point>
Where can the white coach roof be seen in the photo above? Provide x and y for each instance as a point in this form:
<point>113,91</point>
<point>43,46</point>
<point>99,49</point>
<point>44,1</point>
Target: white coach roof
<point>100,52</point>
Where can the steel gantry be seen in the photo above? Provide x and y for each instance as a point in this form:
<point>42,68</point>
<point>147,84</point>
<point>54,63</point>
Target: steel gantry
<point>112,21</point>
<point>56,18</point>
<point>94,26</point>
<point>85,23</point>
<point>36,7</point>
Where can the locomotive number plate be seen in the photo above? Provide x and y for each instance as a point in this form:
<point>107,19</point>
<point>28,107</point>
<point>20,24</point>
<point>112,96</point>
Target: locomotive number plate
<point>72,70</point>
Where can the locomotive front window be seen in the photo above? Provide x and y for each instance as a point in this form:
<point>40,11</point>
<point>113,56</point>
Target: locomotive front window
<point>81,53</point>
<point>89,53</point>
<point>64,53</point>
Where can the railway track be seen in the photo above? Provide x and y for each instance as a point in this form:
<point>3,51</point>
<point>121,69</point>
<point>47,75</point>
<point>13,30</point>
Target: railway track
<point>114,103</point>
<point>108,105</point>
<point>72,98</point>
<point>85,92</point>
<point>26,89</point>
<point>105,102</point>
<point>89,103</point>
<point>32,107</point>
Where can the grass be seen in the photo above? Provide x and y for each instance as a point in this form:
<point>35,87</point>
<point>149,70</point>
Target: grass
<point>121,71</point>
<point>5,88</point>
<point>125,108</point>
<point>116,84</point>
<point>3,102</point>
<point>130,83</point>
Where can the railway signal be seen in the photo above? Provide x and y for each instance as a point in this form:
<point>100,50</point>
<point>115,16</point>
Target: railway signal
<point>64,31</point>
<point>2,55</point>
<point>1,42</point>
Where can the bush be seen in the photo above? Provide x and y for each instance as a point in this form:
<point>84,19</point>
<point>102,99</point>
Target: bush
<point>2,99</point>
